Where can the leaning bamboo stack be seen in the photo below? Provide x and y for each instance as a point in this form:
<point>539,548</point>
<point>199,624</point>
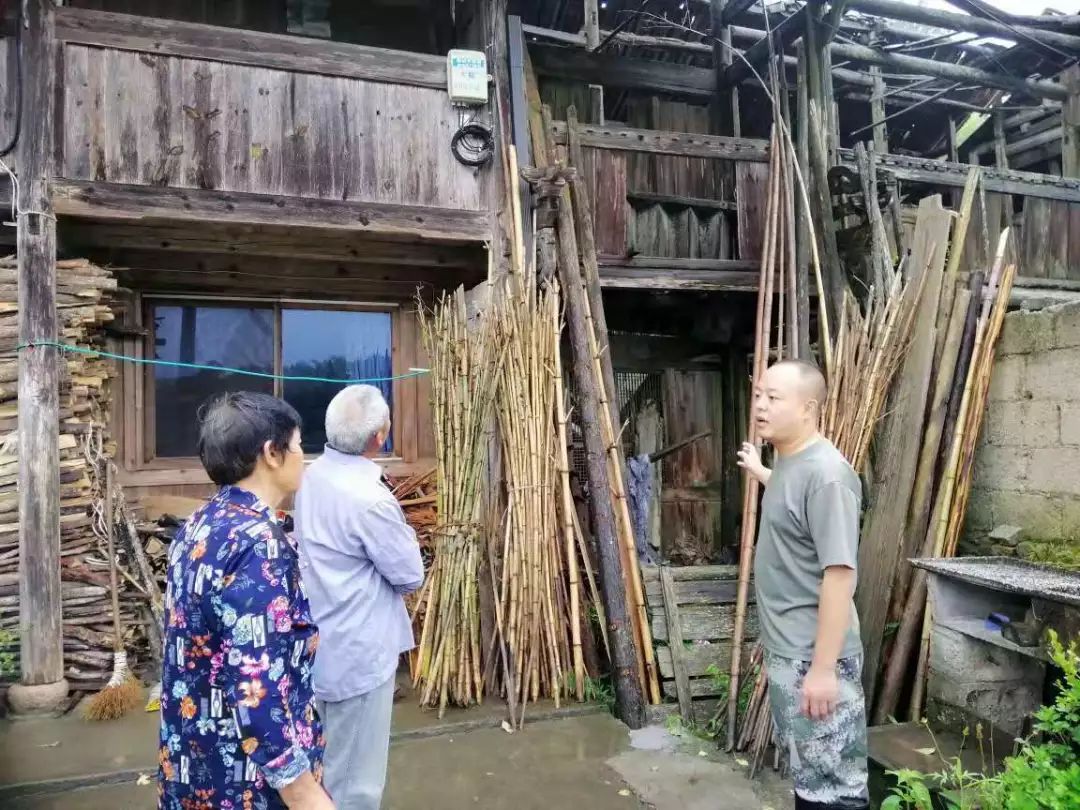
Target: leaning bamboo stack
<point>82,291</point>
<point>534,592</point>
<point>953,449</point>
<point>863,356</point>
<point>465,365</point>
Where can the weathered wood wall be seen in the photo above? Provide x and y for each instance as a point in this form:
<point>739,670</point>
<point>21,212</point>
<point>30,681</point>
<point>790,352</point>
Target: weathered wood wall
<point>704,599</point>
<point>147,119</point>
<point>387,23</point>
<point>8,96</point>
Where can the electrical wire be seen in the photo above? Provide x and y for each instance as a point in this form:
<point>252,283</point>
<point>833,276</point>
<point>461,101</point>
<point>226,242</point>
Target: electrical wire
<point>143,361</point>
<point>473,144</point>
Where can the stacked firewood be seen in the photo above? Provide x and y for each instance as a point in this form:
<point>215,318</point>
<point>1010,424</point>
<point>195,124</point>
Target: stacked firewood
<point>83,311</point>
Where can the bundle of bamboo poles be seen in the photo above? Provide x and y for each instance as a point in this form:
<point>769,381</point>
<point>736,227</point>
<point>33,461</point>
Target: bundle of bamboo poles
<point>538,613</point>
<point>465,364</point>
<point>861,361</point>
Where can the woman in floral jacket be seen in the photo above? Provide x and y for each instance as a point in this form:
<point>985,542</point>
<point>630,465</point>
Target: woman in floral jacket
<point>238,724</point>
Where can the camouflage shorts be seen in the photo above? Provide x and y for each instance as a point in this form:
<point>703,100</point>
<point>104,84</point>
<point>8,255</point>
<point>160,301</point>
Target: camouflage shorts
<point>827,757</point>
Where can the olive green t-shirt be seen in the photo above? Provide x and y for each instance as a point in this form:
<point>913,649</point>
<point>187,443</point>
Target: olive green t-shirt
<point>809,522</point>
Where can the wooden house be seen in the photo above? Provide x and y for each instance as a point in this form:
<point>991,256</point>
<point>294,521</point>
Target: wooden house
<point>274,182</point>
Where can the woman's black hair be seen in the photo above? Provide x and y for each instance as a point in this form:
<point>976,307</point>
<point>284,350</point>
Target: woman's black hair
<point>234,428</point>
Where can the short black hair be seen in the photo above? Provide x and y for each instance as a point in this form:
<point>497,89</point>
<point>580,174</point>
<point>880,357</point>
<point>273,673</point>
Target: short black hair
<point>233,429</point>
<point>811,377</point>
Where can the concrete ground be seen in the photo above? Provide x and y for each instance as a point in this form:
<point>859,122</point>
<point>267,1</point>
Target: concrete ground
<point>465,761</point>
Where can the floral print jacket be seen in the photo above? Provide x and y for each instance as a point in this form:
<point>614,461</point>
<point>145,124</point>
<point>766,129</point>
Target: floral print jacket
<point>238,717</point>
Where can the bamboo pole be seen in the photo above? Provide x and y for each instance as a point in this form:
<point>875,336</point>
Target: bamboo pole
<point>750,490</point>
<point>568,511</point>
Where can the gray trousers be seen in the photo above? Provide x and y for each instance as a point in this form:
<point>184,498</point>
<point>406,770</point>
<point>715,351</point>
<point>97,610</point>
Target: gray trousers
<point>357,747</point>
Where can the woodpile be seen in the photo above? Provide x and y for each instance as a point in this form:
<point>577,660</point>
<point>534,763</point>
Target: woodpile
<point>82,291</point>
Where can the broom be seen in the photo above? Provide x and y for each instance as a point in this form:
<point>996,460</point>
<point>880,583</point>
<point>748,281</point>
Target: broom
<point>123,692</point>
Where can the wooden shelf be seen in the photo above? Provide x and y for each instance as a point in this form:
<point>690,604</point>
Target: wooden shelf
<point>975,628</point>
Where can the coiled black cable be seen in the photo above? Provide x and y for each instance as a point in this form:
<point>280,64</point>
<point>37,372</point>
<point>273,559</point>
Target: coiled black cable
<point>14,140</point>
<point>473,144</point>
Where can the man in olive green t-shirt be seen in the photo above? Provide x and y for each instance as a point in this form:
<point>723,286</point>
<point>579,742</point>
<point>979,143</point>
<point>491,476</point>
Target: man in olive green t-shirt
<point>804,578</point>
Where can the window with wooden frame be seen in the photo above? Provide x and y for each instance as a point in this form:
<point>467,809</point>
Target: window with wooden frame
<point>318,341</point>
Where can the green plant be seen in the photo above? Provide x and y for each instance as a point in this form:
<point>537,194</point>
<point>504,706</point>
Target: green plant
<point>910,792</point>
<point>600,690</point>
<point>1044,775</point>
<point>8,666</point>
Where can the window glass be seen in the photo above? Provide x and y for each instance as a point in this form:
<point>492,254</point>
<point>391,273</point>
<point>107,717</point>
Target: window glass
<point>217,336</point>
<point>333,344</point>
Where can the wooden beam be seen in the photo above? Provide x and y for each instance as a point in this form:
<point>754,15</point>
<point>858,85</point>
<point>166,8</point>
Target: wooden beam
<point>1037,88</point>
<point>877,111</point>
<point>592,25</point>
<point>662,142</point>
<point>239,240</point>
<point>664,276</point>
<point>896,10</point>
<point>41,659</point>
<point>783,35</point>
<point>947,174</point>
<point>650,198</point>
<point>111,201</point>
<point>612,70</point>
<point>241,47</point>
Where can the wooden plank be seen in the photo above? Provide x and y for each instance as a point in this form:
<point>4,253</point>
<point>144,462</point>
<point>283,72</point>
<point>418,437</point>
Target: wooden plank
<point>613,70</point>
<point>40,613</point>
<point>751,192</point>
<point>1057,241</point>
<point>662,142</point>
<point>1074,241</point>
<point>692,405</point>
<point>901,441</point>
<point>696,592</point>
<point>670,279</point>
<point>214,246</point>
<point>242,47</point>
<point>675,646</point>
<point>111,201</point>
<point>607,183</point>
<point>1035,246</point>
<point>707,623</point>
<point>674,200</point>
<point>692,573</point>
<point>698,658</point>
<point>646,262</point>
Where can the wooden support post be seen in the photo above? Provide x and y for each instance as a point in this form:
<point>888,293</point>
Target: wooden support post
<point>1001,157</point>
<point>592,25</point>
<point>725,102</point>
<point>675,645</point>
<point>596,102</point>
<point>624,657</point>
<point>1070,124</point>
<point>802,227</point>
<point>42,686</point>
<point>877,111</point>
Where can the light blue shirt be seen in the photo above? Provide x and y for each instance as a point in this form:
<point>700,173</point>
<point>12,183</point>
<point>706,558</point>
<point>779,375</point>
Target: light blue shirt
<point>357,557</point>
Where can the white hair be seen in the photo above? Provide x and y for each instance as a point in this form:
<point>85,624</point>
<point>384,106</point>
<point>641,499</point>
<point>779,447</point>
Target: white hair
<point>354,417</point>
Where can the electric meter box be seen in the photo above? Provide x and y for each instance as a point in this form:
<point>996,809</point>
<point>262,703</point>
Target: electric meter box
<point>467,78</point>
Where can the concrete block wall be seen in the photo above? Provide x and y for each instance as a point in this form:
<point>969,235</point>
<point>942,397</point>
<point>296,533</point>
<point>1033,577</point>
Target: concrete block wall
<point>1027,467</point>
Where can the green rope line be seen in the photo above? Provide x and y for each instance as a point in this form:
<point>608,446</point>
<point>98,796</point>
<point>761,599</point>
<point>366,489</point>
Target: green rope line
<point>67,347</point>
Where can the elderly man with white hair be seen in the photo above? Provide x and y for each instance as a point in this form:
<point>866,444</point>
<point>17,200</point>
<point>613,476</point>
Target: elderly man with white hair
<point>358,557</point>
